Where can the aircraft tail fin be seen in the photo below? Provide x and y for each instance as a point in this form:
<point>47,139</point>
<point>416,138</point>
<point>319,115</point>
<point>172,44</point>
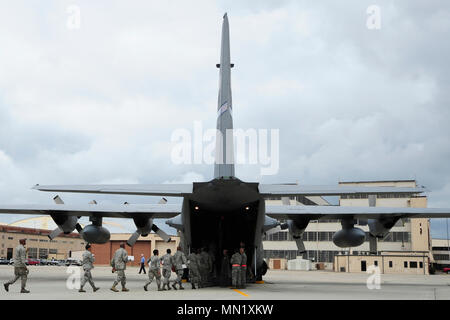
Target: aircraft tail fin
<point>224,164</point>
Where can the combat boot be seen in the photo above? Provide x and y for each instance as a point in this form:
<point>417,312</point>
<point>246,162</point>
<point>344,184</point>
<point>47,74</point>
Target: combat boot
<point>81,290</point>
<point>125,289</point>
<point>159,288</point>
<point>113,288</point>
<point>96,288</point>
<point>173,286</point>
<point>145,288</point>
<point>6,287</point>
<point>163,288</point>
<point>193,286</point>
<point>181,287</point>
<point>24,291</point>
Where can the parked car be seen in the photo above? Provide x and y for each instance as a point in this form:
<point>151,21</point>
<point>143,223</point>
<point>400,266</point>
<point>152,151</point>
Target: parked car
<point>32,262</point>
<point>4,261</point>
<point>43,262</point>
<point>447,270</point>
<point>11,261</point>
<point>73,262</point>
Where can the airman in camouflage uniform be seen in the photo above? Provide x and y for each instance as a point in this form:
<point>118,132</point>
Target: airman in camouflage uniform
<point>154,271</point>
<point>235,261</point>
<point>194,273</point>
<point>179,259</point>
<point>88,265</point>
<point>243,272</point>
<point>20,268</point>
<point>119,264</point>
<point>167,261</point>
<point>205,267</point>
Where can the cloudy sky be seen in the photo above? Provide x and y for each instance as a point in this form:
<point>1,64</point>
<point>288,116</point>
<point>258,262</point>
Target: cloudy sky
<point>98,103</point>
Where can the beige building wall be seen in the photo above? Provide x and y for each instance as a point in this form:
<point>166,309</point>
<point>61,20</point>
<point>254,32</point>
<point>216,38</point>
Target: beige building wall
<point>38,242</point>
<point>405,263</point>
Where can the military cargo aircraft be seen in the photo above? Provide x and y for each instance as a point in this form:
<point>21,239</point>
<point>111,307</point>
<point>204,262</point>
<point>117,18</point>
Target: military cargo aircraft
<point>225,211</point>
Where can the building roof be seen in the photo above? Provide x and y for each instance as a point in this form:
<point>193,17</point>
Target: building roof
<point>32,231</point>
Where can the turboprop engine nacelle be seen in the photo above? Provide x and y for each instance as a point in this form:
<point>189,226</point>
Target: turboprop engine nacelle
<point>66,223</point>
<point>380,227</point>
<point>143,225</point>
<point>95,234</point>
<point>297,227</point>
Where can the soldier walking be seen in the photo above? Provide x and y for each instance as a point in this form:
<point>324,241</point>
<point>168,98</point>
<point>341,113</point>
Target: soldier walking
<point>205,267</point>
<point>119,264</point>
<point>154,271</point>
<point>167,261</point>
<point>243,272</point>
<point>88,265</point>
<point>20,268</point>
<point>180,261</point>
<point>194,273</point>
<point>236,260</point>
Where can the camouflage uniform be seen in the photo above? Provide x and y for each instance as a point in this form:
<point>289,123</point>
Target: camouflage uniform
<point>194,269</point>
<point>20,268</point>
<point>194,273</point>
<point>243,272</point>
<point>235,261</point>
<point>154,271</point>
<point>119,262</point>
<point>205,267</point>
<point>87,262</point>
<point>179,259</point>
<point>167,261</point>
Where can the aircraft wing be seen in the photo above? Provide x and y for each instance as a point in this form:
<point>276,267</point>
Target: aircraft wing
<point>286,190</point>
<point>168,190</point>
<point>112,211</point>
<point>341,212</point>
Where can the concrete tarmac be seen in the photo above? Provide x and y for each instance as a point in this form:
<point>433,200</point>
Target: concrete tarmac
<point>50,282</point>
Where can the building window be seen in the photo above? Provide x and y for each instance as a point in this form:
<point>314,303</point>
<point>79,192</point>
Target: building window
<point>32,253</point>
<point>390,264</point>
<point>53,251</point>
<point>441,256</point>
<point>10,238</point>
<point>43,253</point>
<point>375,263</point>
<point>413,264</point>
<point>405,264</point>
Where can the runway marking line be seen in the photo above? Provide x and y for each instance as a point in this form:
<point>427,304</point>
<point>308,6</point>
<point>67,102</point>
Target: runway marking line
<point>244,294</point>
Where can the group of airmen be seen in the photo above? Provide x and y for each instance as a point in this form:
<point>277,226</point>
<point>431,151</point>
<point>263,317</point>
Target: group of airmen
<point>201,265</point>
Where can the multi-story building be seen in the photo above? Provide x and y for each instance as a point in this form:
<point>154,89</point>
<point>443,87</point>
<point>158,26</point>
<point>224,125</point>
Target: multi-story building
<point>407,236</point>
<point>38,244</point>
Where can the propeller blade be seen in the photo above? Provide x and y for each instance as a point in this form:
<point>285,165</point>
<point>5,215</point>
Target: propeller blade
<point>55,233</point>
<point>300,244</point>
<point>132,240</point>
<point>58,200</point>
<point>161,233</point>
<point>78,227</point>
